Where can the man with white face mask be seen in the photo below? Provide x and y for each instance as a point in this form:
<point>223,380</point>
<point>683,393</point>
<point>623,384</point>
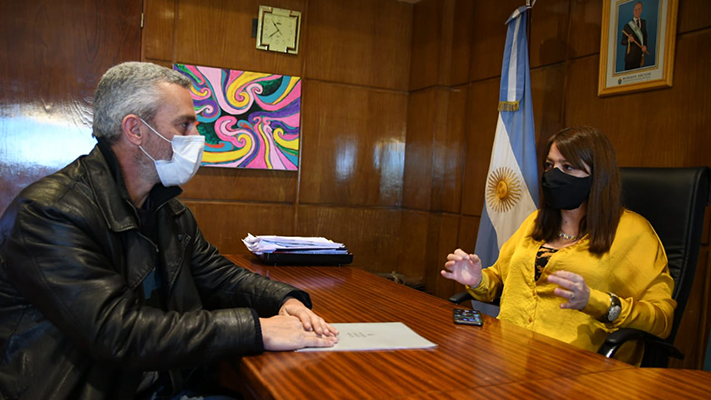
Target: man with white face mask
<point>108,288</point>
<point>187,155</point>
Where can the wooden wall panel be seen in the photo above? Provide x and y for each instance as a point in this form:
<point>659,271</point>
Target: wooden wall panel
<point>448,153</point>
<point>218,33</point>
<point>585,28</point>
<point>426,59</point>
<point>414,230</point>
<point>213,183</point>
<point>481,128</point>
<point>52,54</point>
<point>362,42</point>
<point>468,229</point>
<point>442,239</point>
<point>463,36</point>
<point>549,32</point>
<point>371,234</point>
<point>426,239</point>
<point>163,63</point>
<point>547,94</point>
<point>226,224</point>
<point>694,325</point>
<point>422,116</point>
<point>353,145</point>
<point>639,125</point>
<point>159,29</point>
<point>693,15</point>
<point>489,37</point>
<point>441,44</point>
<point>435,147</point>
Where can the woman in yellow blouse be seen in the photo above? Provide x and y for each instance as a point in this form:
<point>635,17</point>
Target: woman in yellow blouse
<point>582,266</point>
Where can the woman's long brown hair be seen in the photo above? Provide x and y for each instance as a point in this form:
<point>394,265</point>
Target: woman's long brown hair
<point>587,146</point>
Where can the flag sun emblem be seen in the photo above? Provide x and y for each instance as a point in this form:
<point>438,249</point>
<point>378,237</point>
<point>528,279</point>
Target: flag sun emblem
<point>503,189</point>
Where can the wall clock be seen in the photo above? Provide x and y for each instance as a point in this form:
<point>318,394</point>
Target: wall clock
<point>278,30</point>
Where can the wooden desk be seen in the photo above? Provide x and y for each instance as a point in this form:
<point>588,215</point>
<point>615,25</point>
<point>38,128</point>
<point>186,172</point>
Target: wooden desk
<point>467,358</point>
<point>635,383</point>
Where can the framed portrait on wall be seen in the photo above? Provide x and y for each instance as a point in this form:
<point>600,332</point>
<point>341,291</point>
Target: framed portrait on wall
<point>637,46</point>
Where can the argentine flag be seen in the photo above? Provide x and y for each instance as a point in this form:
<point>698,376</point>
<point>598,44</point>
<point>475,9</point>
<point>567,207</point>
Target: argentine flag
<point>512,181</point>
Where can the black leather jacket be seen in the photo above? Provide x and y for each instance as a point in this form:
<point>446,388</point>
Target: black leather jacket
<point>72,258</point>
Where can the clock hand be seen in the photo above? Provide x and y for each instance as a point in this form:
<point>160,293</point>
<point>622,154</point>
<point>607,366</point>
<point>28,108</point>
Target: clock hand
<point>275,25</point>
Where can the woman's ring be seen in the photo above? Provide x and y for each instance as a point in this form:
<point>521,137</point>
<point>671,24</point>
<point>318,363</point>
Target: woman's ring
<point>572,297</point>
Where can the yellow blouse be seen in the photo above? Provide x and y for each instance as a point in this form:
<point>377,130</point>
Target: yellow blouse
<point>635,269</point>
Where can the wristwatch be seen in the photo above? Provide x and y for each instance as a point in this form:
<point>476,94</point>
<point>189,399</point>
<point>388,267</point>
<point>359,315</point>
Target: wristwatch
<point>615,308</point>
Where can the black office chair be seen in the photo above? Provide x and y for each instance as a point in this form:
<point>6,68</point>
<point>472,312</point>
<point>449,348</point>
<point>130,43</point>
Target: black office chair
<point>674,201</point>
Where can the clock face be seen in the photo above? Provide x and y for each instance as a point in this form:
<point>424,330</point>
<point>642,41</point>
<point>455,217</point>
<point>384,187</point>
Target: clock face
<point>278,30</point>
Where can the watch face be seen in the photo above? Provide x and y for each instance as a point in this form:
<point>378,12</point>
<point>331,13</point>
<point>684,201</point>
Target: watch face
<point>613,313</point>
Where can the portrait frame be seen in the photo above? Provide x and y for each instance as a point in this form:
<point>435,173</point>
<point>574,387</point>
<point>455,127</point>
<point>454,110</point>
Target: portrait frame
<point>622,46</point>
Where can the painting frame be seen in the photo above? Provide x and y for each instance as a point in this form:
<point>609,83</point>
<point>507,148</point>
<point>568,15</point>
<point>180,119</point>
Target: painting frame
<point>622,45</point>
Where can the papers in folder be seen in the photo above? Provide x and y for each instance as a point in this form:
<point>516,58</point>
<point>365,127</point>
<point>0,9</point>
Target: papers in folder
<point>292,244</point>
<point>375,336</point>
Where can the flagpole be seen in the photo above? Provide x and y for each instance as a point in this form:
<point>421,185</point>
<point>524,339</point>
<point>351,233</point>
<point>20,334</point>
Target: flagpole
<point>528,24</point>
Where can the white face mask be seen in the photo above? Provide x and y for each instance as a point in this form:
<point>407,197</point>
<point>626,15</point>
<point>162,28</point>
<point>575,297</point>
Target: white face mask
<point>187,156</point>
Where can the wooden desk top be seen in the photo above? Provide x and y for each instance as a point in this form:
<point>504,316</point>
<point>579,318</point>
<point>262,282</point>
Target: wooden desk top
<point>467,357</point>
<point>635,383</point>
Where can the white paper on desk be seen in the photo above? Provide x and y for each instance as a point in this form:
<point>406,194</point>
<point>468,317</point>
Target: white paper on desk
<point>375,336</point>
<point>270,243</point>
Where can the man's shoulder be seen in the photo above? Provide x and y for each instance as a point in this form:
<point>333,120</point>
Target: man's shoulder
<point>66,190</point>
<point>55,186</point>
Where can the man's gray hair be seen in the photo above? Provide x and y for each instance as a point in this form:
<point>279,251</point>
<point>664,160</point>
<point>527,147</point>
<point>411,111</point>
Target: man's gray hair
<point>130,88</point>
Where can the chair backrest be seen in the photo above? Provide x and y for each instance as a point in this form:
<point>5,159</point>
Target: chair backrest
<point>674,201</point>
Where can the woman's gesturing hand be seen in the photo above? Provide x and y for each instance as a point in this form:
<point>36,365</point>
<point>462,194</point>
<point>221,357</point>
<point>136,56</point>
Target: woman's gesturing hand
<point>463,268</point>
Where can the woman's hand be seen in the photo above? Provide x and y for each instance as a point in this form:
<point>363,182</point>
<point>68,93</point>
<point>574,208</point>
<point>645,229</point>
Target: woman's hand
<point>572,288</point>
<point>463,268</point>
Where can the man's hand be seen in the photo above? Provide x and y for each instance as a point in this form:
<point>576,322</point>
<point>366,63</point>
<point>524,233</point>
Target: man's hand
<point>309,320</point>
<point>463,268</point>
<point>285,332</point>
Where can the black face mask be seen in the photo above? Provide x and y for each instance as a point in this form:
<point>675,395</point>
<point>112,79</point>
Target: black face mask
<point>565,191</point>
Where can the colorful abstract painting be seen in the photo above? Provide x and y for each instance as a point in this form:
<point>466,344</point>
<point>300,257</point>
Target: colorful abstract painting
<point>249,119</point>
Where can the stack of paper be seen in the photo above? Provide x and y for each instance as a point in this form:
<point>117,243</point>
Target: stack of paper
<point>292,244</point>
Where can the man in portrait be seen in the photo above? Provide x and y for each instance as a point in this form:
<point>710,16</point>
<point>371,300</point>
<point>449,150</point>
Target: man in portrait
<point>634,38</point>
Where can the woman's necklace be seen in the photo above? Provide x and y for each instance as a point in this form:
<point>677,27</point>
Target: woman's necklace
<point>566,236</point>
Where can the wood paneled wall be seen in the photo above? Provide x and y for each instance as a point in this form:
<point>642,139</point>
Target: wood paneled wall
<point>52,55</point>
